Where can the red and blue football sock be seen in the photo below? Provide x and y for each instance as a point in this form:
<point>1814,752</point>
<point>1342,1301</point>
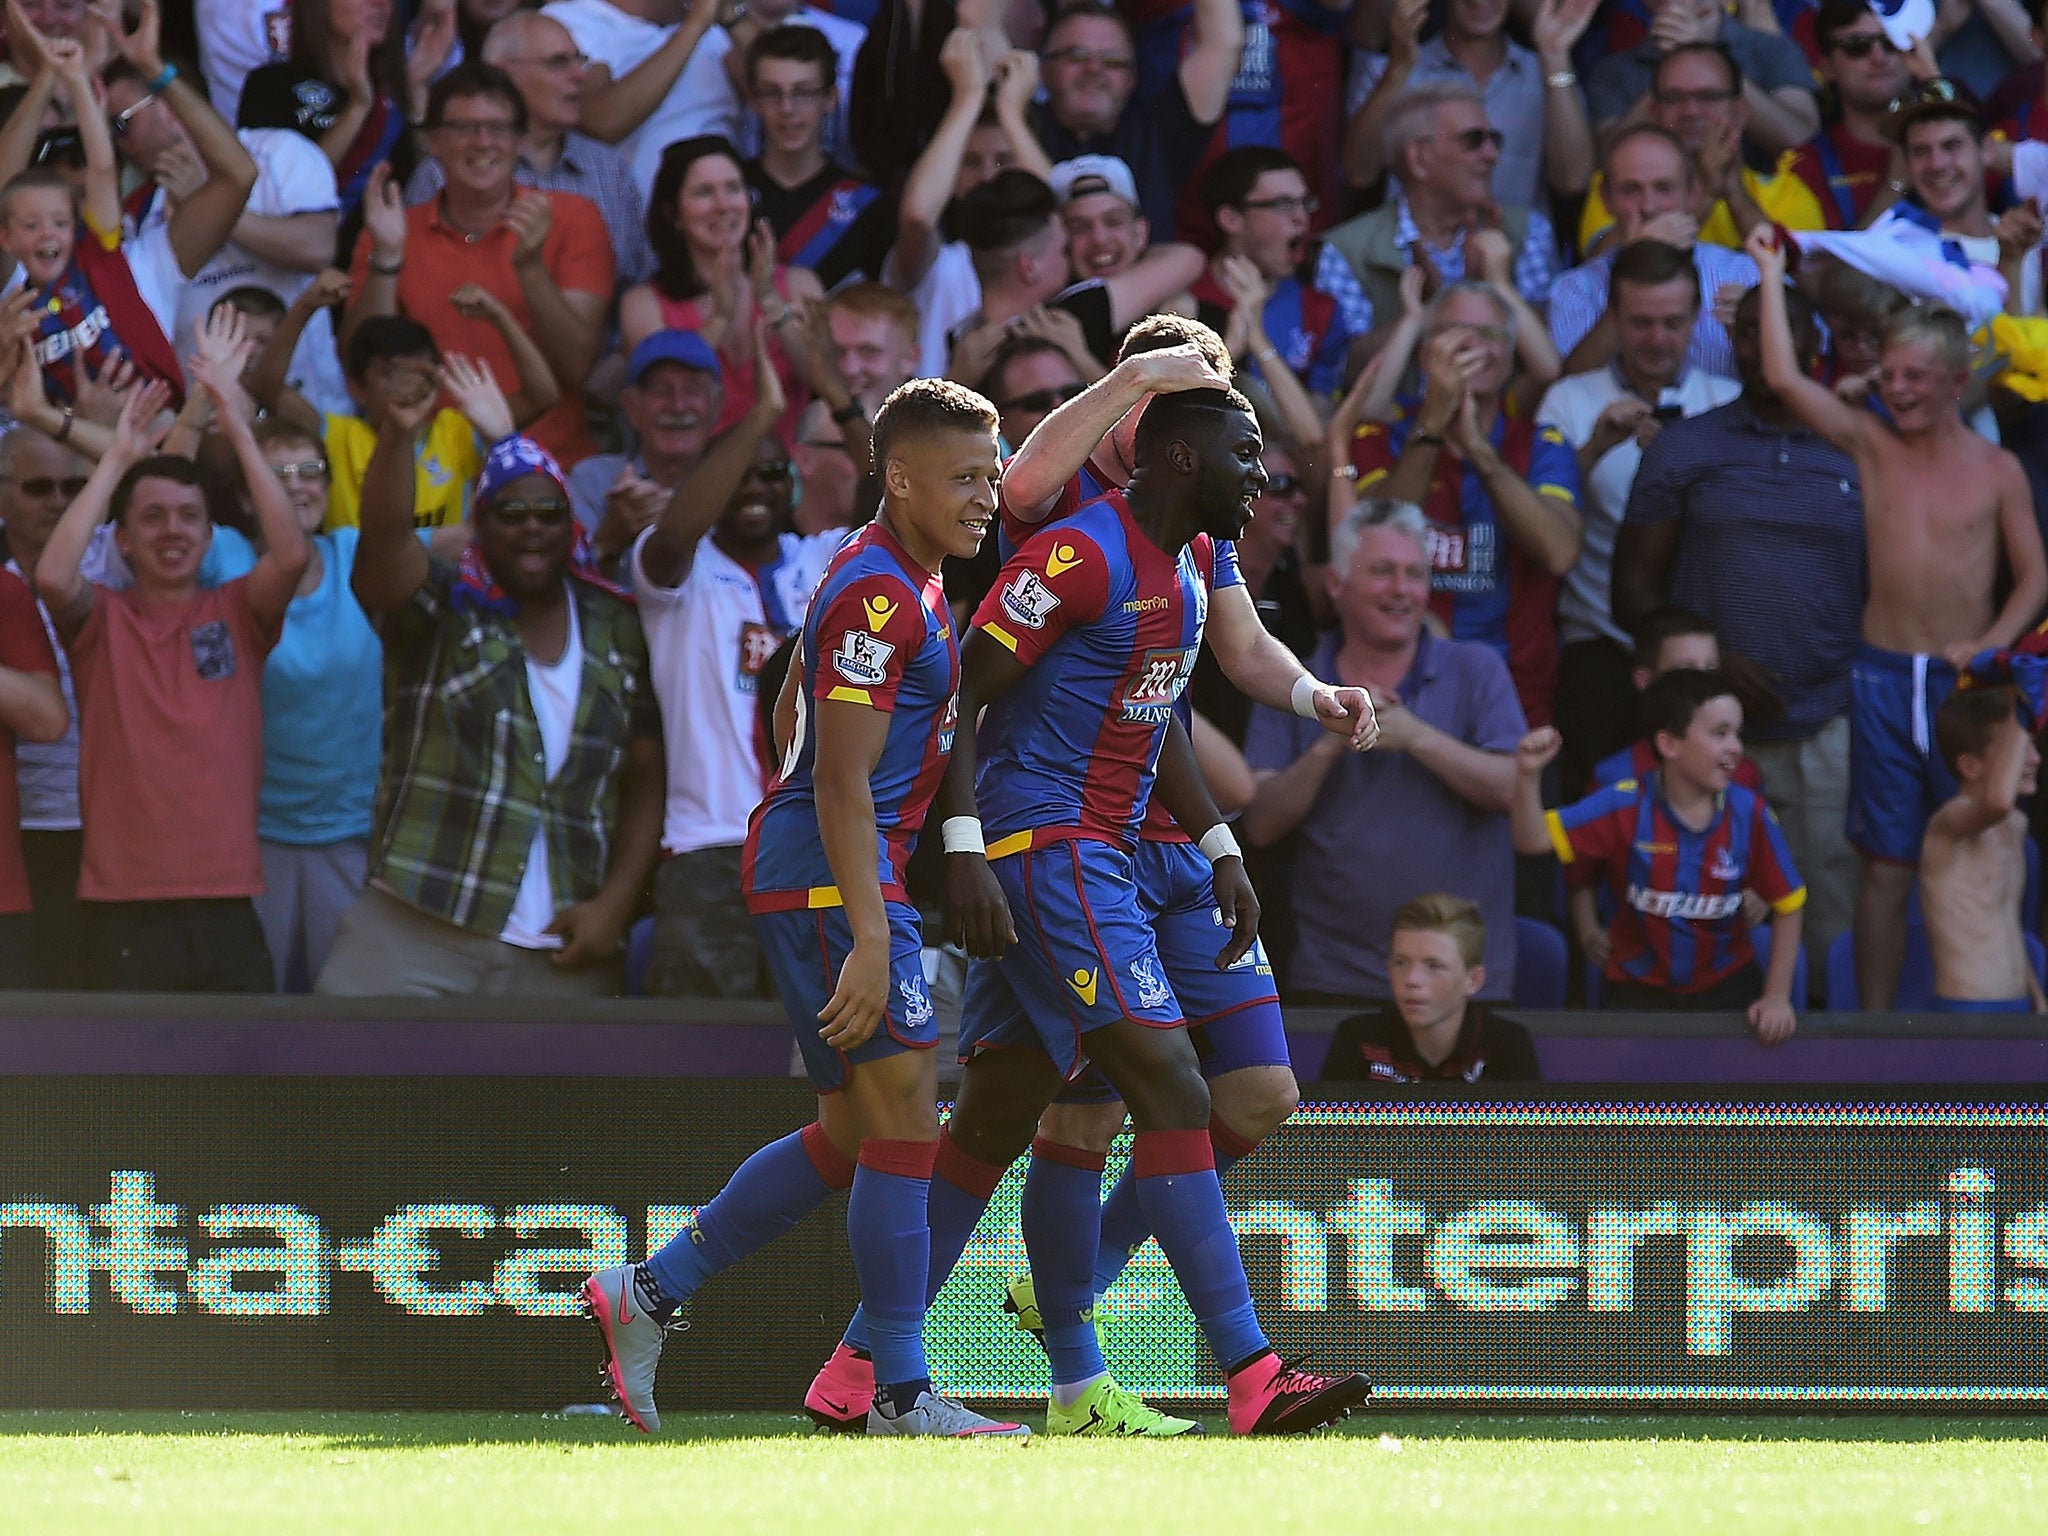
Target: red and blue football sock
<point>1062,1199</point>
<point>961,1189</point>
<point>888,1224</point>
<point>1175,1176</point>
<point>1124,1225</point>
<point>767,1195</point>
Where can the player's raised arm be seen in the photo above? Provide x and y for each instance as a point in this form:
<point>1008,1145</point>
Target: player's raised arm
<point>1846,426</point>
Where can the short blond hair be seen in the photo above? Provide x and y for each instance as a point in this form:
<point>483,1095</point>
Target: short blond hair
<point>877,301</point>
<point>1938,326</point>
<point>1441,912</point>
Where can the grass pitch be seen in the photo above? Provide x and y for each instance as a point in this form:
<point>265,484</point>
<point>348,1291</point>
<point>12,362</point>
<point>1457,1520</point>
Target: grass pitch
<point>140,1474</point>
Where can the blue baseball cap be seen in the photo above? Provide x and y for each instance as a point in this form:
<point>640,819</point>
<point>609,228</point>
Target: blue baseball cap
<point>685,347</point>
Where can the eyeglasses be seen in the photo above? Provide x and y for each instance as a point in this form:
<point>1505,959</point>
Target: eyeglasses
<point>1285,485</point>
<point>1862,45</point>
<point>1082,58</point>
<point>558,63</point>
<point>1703,98</point>
<point>1472,140</point>
<point>58,144</point>
<point>303,469</point>
<point>1043,399</point>
<point>120,120</point>
<point>1286,206</point>
<point>477,127</point>
<point>795,96</point>
<point>48,485</point>
<point>517,514</point>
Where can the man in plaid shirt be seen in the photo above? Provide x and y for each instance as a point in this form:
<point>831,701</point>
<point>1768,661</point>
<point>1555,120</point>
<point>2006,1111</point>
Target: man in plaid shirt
<point>519,809</point>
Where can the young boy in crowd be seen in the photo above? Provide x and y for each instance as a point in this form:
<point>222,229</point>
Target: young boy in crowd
<point>1432,1031</point>
<point>1679,848</point>
<point>1668,639</point>
<point>1973,865</point>
<point>1945,511</point>
<point>392,360</point>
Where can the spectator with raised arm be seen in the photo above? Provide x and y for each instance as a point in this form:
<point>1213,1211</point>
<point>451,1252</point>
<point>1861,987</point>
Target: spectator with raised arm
<point>1442,150</point>
<point>353,82</point>
<point>519,808</point>
<point>1531,96</point>
<point>1849,164</point>
<point>1653,196</point>
<point>1090,67</point>
<point>544,256</point>
<point>169,677</point>
<point>1427,808</point>
<point>541,59</point>
<point>653,76</point>
<point>979,137</point>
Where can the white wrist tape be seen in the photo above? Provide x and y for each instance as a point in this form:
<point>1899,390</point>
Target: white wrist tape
<point>962,834</point>
<point>1219,842</point>
<point>1305,687</point>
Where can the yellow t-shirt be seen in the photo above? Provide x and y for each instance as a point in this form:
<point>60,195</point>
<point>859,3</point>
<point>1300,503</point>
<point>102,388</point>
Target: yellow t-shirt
<point>1785,200</point>
<point>445,468</point>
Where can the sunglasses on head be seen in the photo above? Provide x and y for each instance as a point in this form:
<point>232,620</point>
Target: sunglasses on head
<point>517,514</point>
<point>1863,46</point>
<point>1043,399</point>
<point>50,485</point>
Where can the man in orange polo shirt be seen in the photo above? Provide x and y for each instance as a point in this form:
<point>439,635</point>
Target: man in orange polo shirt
<point>544,255</point>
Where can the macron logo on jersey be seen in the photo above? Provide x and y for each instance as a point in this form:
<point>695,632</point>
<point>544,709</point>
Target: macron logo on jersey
<point>1062,557</point>
<point>1029,600</point>
<point>1083,983</point>
<point>862,659</point>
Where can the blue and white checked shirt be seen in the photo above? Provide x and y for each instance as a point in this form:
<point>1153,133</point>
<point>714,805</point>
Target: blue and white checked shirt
<point>1579,298</point>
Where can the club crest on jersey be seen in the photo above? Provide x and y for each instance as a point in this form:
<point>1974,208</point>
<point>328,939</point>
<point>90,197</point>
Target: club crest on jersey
<point>1028,600</point>
<point>1725,867</point>
<point>917,1007</point>
<point>1153,991</point>
<point>1083,983</point>
<point>862,659</point>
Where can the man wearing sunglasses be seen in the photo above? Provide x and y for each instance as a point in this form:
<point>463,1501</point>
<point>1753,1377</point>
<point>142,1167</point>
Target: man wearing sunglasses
<point>1848,163</point>
<point>1090,67</point>
<point>520,811</point>
<point>1443,150</point>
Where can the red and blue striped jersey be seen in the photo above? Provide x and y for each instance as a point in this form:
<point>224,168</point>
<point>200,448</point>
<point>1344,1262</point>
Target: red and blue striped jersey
<point>836,224</point>
<point>1678,920</point>
<point>1013,532</point>
<point>1482,584</point>
<point>1109,625</point>
<point>1288,92</point>
<point>876,634</point>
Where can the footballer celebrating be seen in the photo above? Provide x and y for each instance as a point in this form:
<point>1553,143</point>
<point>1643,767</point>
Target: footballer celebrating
<point>874,702</point>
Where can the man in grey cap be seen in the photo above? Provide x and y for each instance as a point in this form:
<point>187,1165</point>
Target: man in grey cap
<point>672,396</point>
<point>1106,229</point>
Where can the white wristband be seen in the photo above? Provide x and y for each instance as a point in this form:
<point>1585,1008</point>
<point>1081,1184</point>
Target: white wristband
<point>1219,842</point>
<point>1305,687</point>
<point>962,834</point>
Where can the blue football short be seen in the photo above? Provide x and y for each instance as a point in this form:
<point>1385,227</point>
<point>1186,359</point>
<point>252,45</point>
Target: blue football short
<point>806,948</point>
<point>1085,956</point>
<point>1897,781</point>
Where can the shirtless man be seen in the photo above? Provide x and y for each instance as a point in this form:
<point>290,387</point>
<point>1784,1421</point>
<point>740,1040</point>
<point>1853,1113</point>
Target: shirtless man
<point>1973,864</point>
<point>1941,505</point>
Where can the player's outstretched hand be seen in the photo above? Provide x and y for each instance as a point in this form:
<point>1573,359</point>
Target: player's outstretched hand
<point>981,913</point>
<point>1238,904</point>
<point>1537,750</point>
<point>860,1000</point>
<point>1773,1020</point>
<point>1348,712</point>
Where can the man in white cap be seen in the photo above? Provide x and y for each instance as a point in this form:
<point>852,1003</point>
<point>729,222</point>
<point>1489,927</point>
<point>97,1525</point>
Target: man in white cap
<point>1106,229</point>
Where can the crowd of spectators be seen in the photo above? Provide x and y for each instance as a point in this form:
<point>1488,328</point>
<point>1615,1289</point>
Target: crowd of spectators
<point>426,420</point>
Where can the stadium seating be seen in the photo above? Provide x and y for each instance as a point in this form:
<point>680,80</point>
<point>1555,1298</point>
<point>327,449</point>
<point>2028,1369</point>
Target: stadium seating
<point>1916,974</point>
<point>1542,964</point>
<point>639,954</point>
